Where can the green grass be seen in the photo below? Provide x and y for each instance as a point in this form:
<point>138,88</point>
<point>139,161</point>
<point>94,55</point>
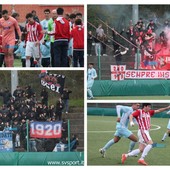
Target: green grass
<point>97,139</point>
<point>133,98</point>
<point>17,63</point>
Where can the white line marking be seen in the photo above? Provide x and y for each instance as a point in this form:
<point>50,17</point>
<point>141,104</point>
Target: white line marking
<point>157,128</point>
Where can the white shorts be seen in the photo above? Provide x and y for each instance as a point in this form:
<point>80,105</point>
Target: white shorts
<point>144,136</point>
<point>32,50</point>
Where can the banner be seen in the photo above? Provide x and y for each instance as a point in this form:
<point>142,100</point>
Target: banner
<point>61,147</point>
<point>6,144</point>
<point>120,73</point>
<point>117,72</point>
<point>54,82</point>
<point>46,129</point>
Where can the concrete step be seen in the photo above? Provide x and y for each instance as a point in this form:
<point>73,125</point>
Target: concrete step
<point>76,121</point>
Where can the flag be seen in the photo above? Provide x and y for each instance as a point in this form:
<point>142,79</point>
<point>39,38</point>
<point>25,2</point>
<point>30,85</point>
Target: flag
<point>54,82</point>
<point>6,144</point>
<point>46,129</point>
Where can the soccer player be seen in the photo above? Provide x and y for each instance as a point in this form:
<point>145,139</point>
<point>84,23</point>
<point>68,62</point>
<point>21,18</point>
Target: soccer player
<point>34,36</point>
<point>143,117</point>
<point>8,25</point>
<point>50,30</point>
<point>78,43</point>
<point>168,131</point>
<point>1,52</point>
<point>44,23</point>
<point>91,75</point>
<point>62,36</point>
<point>121,126</point>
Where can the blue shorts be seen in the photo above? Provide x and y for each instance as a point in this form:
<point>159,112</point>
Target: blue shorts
<point>90,83</point>
<point>168,127</point>
<point>122,131</point>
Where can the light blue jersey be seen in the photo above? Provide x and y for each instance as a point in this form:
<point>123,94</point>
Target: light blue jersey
<point>44,24</point>
<point>21,50</point>
<point>126,112</point>
<point>91,75</point>
<point>122,126</point>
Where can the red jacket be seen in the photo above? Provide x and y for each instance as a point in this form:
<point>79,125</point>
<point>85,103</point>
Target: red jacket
<point>77,34</point>
<point>62,29</point>
<point>1,51</point>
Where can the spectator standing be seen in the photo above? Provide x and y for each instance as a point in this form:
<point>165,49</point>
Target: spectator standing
<point>90,40</point>
<point>6,95</point>
<point>65,97</point>
<point>59,108</point>
<point>44,97</point>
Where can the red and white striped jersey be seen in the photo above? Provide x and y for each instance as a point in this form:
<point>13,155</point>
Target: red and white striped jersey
<point>143,118</point>
<point>34,32</point>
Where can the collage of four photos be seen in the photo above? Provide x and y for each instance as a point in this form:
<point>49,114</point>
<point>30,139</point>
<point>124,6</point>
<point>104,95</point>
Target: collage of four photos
<point>84,85</point>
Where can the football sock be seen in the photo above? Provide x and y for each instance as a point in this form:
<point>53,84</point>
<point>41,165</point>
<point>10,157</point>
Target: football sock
<point>146,150</point>
<point>28,63</point>
<point>134,152</point>
<point>131,145</point>
<point>90,92</point>
<point>108,144</point>
<point>164,137</point>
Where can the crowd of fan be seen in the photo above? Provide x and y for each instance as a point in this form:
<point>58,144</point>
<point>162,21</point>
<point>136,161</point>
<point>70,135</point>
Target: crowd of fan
<point>22,106</point>
<point>149,37</point>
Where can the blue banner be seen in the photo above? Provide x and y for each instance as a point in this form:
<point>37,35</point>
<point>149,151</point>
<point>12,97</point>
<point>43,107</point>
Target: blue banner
<point>6,144</point>
<point>46,129</point>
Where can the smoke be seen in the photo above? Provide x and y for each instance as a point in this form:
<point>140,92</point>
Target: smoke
<point>167,33</point>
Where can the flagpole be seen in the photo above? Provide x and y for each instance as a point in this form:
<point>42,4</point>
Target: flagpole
<point>27,130</point>
<point>68,135</point>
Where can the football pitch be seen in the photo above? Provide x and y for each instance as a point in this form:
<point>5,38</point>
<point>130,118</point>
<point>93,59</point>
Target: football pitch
<point>100,130</point>
<point>133,98</point>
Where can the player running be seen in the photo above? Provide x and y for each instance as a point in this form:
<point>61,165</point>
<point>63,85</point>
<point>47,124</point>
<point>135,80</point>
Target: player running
<point>121,126</point>
<point>168,131</point>
<point>8,25</point>
<point>143,117</point>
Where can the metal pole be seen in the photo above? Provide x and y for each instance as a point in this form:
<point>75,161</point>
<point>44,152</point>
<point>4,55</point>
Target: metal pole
<point>138,55</point>
<point>99,63</point>
<point>68,135</point>
<point>135,13</point>
<point>14,80</point>
<point>27,131</point>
